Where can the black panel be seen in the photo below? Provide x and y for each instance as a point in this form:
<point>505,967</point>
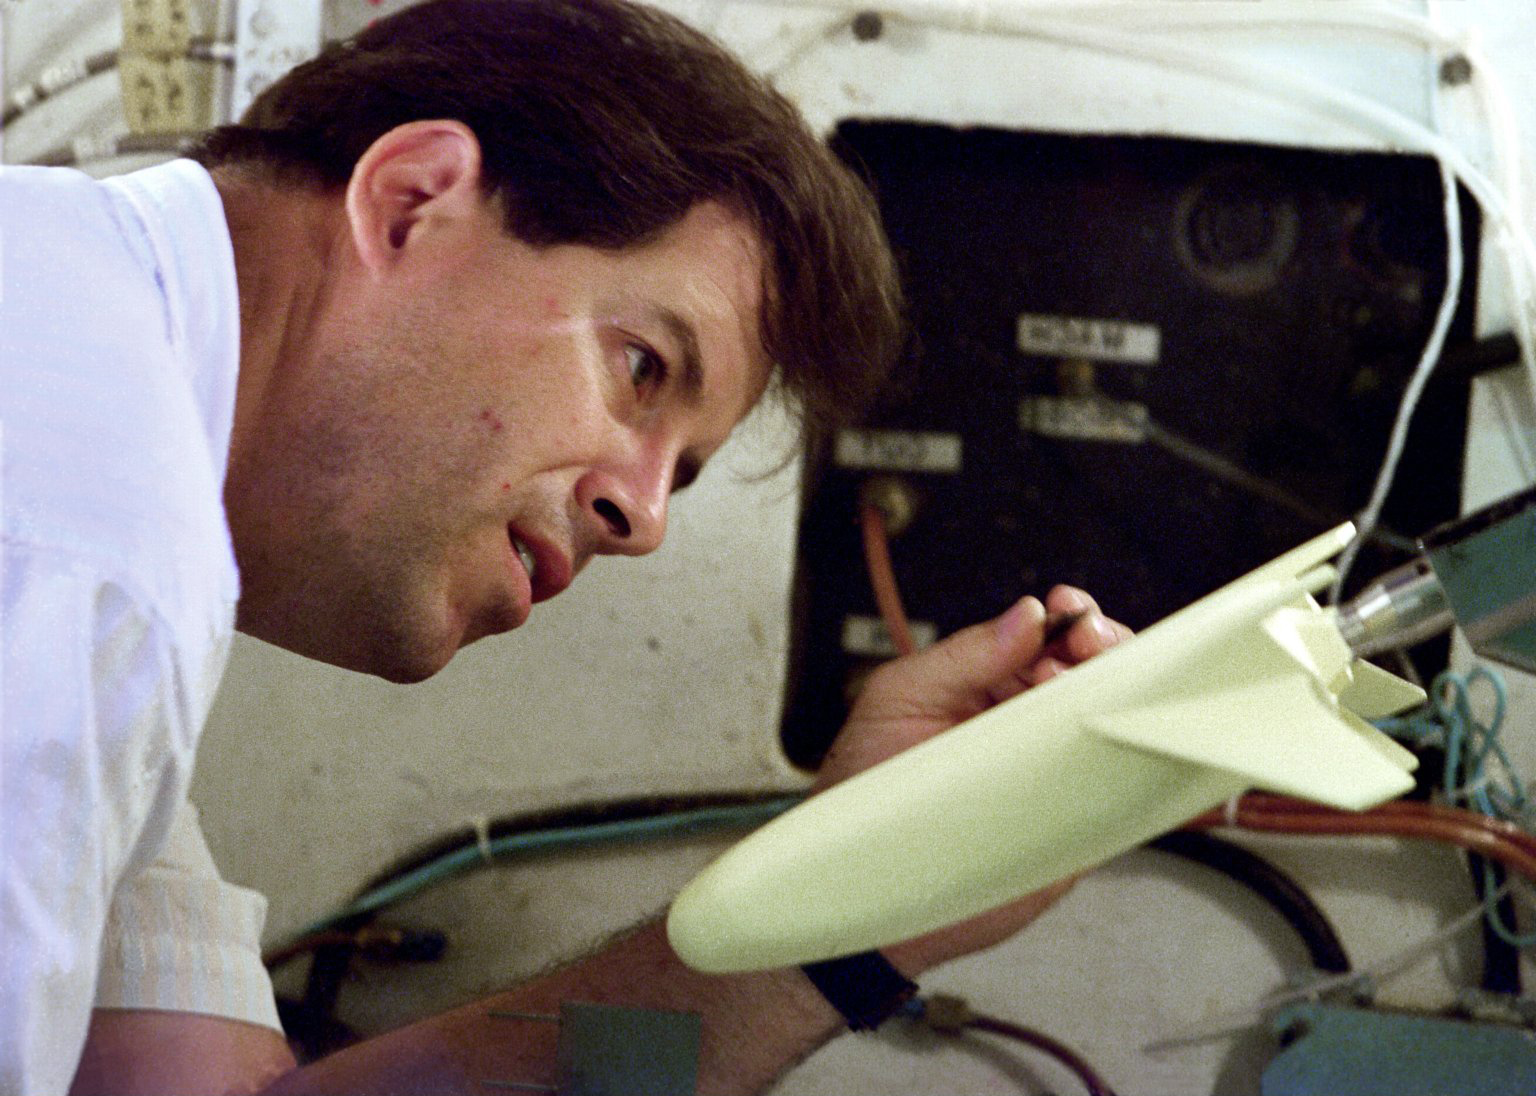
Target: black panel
<point>1292,291</point>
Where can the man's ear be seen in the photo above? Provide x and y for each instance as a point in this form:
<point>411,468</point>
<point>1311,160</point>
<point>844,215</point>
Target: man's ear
<point>410,176</point>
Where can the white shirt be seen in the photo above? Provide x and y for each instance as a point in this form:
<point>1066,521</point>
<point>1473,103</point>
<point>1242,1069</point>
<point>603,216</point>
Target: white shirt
<point>119,348</point>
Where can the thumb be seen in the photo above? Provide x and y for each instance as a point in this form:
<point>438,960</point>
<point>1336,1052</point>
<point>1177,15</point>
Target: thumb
<point>979,666</point>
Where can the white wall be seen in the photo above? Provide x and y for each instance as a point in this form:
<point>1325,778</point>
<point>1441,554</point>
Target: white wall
<point>666,674</point>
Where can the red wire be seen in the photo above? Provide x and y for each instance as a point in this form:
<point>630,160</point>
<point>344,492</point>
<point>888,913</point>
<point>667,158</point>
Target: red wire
<point>882,577</point>
<point>1491,837</point>
<point>1064,1054</point>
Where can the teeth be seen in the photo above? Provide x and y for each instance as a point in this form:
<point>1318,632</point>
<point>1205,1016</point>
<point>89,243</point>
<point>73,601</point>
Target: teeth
<point>524,555</point>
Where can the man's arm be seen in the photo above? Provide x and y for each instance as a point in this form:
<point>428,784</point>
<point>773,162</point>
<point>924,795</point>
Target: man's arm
<point>143,1051</point>
<point>755,1025</point>
<point>183,1002</point>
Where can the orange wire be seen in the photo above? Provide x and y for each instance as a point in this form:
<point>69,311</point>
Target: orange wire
<point>1490,837</point>
<point>882,577</point>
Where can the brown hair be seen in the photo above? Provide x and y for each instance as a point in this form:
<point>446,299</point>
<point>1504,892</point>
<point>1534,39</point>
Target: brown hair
<point>602,123</point>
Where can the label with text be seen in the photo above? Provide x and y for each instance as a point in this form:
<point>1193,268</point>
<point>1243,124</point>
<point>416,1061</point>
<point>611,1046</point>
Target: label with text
<point>898,450</point>
<point>1085,418</point>
<point>868,636</point>
<point>1097,340</point>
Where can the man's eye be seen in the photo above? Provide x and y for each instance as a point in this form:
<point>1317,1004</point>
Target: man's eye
<point>646,369</point>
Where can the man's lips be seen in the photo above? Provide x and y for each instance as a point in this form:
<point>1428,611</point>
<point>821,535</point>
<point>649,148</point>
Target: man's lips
<point>551,572</point>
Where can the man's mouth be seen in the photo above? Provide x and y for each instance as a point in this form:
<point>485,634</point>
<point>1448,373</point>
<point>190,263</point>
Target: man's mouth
<point>523,553</point>
<point>549,570</point>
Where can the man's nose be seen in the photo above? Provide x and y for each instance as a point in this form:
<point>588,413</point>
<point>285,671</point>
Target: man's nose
<point>627,506</point>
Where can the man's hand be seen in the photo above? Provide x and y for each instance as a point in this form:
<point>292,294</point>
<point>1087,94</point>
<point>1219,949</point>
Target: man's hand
<point>911,699</point>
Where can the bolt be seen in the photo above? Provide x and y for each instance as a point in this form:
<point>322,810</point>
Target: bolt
<point>868,26</point>
<point>894,498</point>
<point>1456,70</point>
<point>1076,377</point>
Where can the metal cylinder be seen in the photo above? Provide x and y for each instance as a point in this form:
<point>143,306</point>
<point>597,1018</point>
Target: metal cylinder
<point>1402,607</point>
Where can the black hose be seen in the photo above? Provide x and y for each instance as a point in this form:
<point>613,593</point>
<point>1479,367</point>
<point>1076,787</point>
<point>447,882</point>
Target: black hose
<point>1269,883</point>
<point>1501,959</point>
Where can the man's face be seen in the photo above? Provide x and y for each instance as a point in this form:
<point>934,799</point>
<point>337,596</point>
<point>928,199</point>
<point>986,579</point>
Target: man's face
<point>473,425</point>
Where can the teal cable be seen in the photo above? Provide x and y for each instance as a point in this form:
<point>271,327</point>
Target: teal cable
<point>1469,745</point>
<point>675,824</point>
<point>1480,741</point>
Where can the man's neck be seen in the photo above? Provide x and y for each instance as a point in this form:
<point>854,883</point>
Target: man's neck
<point>285,240</point>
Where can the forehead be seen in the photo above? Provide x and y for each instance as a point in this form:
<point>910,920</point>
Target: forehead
<point>713,255</point>
<point>706,273</point>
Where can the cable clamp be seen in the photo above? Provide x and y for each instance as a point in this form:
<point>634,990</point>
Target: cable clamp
<point>481,824</point>
<point>62,75</point>
<point>1362,990</point>
<point>93,147</point>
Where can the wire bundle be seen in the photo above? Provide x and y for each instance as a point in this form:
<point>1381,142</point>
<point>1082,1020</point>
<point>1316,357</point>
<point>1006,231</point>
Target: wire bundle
<point>1490,837</point>
<point>1478,774</point>
<point>1469,744</point>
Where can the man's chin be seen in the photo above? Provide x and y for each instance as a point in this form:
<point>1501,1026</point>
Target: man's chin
<point>404,672</point>
<point>403,660</point>
<point>408,659</point>
<point>415,658</point>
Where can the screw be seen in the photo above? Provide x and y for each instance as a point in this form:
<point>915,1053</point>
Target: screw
<point>868,26</point>
<point>894,498</point>
<point>1456,70</point>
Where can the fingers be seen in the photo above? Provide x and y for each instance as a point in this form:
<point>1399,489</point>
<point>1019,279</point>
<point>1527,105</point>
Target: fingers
<point>1092,635</point>
<point>978,665</point>
<point>1045,669</point>
<point>988,663</point>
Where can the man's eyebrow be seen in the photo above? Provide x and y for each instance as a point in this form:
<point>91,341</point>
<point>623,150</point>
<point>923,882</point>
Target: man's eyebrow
<point>690,382</point>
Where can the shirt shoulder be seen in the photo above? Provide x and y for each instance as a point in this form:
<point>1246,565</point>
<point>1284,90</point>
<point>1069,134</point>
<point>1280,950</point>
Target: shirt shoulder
<point>119,348</point>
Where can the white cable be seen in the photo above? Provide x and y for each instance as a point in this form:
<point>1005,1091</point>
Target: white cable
<point>711,16</point>
<point>1506,234</point>
<point>1365,524</point>
<point>801,47</point>
<point>1240,1019</point>
<point>1203,15</point>
<point>1182,15</point>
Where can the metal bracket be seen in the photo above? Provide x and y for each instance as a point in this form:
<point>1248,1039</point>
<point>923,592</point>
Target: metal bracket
<point>270,39</point>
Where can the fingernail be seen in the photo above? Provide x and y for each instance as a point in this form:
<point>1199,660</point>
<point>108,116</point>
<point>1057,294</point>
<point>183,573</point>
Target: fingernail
<point>1075,599</point>
<point>1105,630</point>
<point>1027,614</point>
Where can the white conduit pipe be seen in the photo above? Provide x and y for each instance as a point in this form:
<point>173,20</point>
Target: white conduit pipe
<point>1043,21</point>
